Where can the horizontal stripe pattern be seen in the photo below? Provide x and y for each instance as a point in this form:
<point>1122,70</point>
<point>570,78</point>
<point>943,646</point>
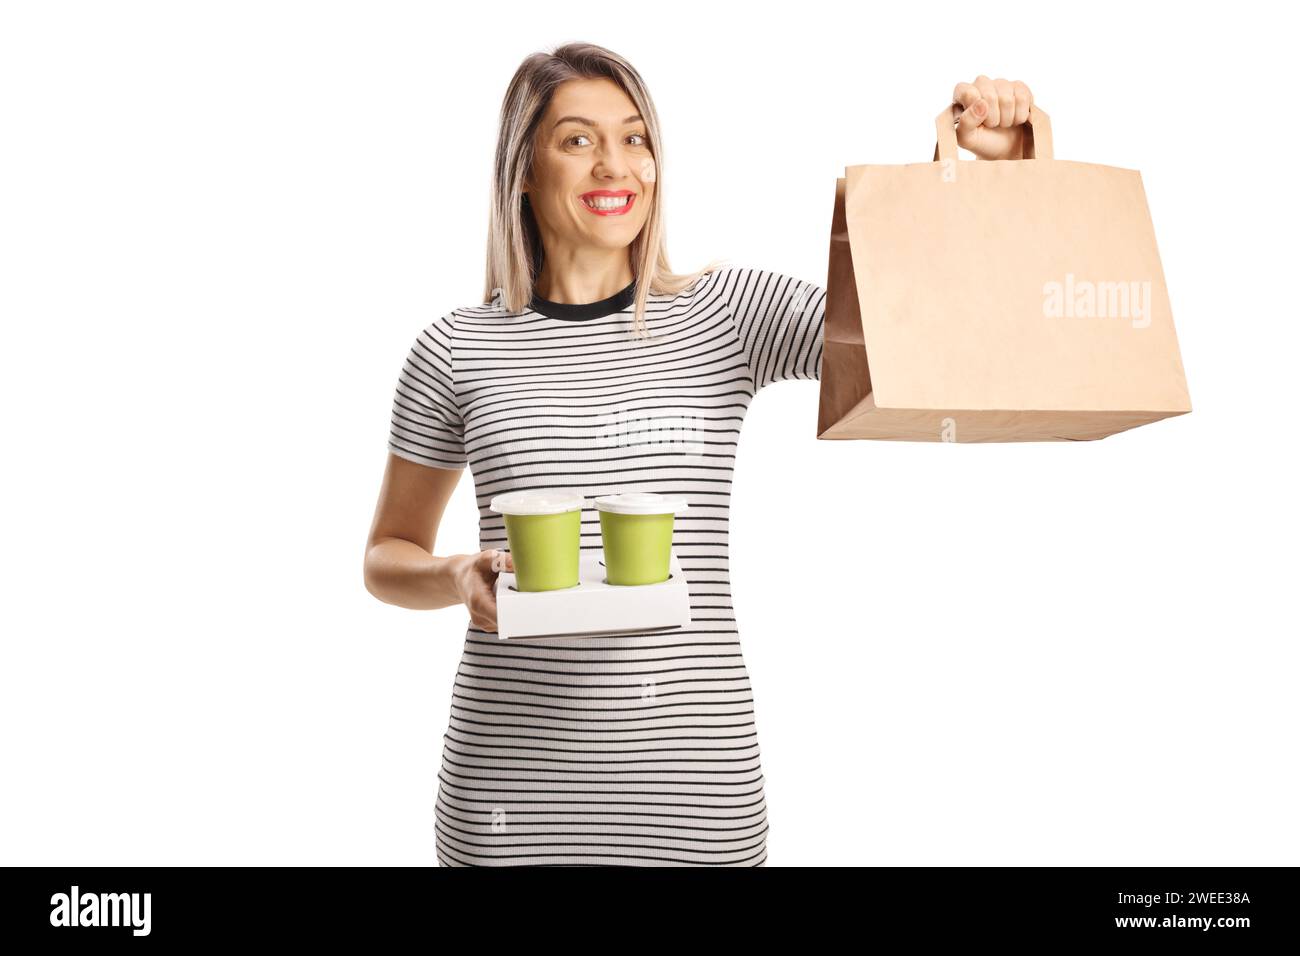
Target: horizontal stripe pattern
<point>640,749</point>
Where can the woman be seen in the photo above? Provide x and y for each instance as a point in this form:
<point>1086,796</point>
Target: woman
<point>637,749</point>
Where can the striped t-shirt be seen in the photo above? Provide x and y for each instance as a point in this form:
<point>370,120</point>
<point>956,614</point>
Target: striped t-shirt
<point>637,749</point>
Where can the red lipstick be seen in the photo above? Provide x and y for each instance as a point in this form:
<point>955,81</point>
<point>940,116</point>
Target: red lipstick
<point>611,194</point>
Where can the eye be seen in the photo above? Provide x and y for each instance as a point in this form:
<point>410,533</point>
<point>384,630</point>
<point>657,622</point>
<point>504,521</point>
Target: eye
<point>641,137</point>
<point>575,136</point>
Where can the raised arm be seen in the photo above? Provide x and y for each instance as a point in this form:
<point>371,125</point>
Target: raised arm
<point>779,320</point>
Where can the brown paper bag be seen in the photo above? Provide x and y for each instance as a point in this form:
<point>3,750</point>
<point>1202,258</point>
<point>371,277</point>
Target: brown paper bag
<point>1007,300</point>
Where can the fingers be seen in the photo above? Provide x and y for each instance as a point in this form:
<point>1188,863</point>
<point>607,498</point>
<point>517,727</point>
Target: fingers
<point>1024,100</point>
<point>971,118</point>
<point>989,94</point>
<point>965,95</point>
<point>482,605</point>
<point>482,602</point>
<point>973,108</point>
<point>1006,103</point>
<point>482,612</point>
<point>1008,100</point>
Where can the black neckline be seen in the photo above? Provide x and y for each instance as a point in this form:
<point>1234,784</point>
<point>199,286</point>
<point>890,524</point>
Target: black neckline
<point>582,311</point>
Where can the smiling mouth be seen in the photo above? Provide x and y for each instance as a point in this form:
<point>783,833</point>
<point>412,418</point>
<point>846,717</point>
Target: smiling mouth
<point>609,205</point>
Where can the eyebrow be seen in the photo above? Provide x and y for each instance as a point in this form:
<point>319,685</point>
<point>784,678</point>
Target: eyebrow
<point>635,118</point>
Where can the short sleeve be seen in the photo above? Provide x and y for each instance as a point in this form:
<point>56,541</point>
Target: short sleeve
<point>779,320</point>
<point>426,421</point>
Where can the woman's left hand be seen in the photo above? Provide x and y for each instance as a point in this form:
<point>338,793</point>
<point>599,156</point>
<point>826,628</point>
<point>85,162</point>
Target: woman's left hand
<point>991,124</point>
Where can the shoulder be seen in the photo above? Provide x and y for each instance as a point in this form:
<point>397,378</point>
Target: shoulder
<point>448,325</point>
<point>467,317</point>
<point>436,334</point>
<point>709,285</point>
<point>724,286</point>
<point>735,279</point>
<point>737,284</point>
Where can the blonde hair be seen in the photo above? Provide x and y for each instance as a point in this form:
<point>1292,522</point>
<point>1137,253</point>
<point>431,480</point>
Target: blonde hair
<point>514,247</point>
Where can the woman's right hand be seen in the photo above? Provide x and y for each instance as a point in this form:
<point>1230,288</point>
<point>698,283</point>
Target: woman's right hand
<point>476,583</point>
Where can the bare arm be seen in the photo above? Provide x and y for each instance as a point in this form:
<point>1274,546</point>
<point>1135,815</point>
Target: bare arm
<point>400,567</point>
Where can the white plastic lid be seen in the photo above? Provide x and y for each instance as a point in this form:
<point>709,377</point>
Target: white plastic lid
<point>536,502</point>
<point>641,503</point>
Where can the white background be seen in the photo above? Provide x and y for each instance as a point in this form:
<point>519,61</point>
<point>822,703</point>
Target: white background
<point>224,223</point>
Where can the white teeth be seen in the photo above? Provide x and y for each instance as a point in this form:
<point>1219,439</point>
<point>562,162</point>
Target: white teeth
<point>607,202</point>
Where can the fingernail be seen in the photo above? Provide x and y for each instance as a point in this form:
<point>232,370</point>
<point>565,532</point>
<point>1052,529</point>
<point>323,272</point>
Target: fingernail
<point>980,108</point>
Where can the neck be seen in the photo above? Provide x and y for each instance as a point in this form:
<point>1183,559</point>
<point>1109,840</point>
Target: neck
<point>577,278</point>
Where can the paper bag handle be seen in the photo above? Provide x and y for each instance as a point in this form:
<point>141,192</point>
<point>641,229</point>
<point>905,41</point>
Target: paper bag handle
<point>1038,145</point>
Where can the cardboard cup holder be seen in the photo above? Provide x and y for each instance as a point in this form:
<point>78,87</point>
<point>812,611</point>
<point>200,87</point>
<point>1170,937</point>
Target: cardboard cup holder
<point>593,607</point>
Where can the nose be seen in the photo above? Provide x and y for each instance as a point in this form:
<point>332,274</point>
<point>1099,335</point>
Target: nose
<point>610,163</point>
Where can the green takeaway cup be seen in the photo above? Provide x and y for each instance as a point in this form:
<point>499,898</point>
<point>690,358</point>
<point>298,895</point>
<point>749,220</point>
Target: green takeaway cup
<point>544,531</point>
<point>636,530</point>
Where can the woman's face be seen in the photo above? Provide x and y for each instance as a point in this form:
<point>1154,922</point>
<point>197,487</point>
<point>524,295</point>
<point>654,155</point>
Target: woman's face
<point>593,173</point>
